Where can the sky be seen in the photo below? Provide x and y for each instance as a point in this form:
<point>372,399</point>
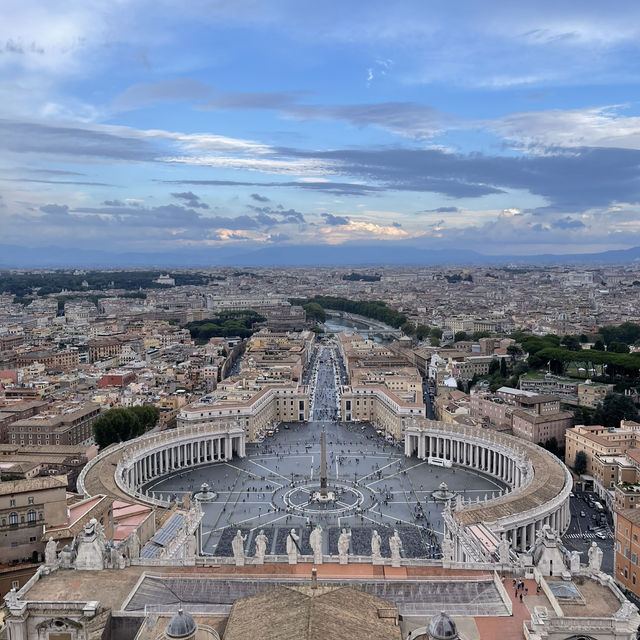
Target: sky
<point>507,128</point>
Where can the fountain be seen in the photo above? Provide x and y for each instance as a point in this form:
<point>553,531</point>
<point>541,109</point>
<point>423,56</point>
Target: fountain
<point>443,494</point>
<point>204,495</point>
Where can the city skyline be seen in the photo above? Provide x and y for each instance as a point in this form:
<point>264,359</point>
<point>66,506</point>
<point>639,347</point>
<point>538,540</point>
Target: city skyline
<point>148,128</point>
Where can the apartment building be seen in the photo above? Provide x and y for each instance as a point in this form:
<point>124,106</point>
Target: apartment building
<point>68,423</point>
<point>66,359</point>
<point>627,549</point>
<point>26,507</point>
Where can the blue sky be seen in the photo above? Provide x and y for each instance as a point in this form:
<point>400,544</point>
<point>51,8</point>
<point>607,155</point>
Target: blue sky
<point>503,127</point>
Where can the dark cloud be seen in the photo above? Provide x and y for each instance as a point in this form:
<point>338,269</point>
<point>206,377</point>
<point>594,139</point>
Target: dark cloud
<point>256,100</point>
<point>191,200</point>
<point>288,215</point>
<point>396,224</point>
<point>55,209</point>
<point>76,142</point>
<point>114,203</point>
<point>78,182</point>
<point>442,210</point>
<point>409,119</point>
<point>335,221</point>
<point>258,198</point>
<point>571,180</point>
<point>567,223</point>
<point>336,188</point>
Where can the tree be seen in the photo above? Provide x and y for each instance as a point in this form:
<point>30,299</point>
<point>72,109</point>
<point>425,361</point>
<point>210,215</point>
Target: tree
<point>315,312</point>
<point>598,345</point>
<point>572,343</point>
<point>551,445</point>
<point>422,331</point>
<point>408,329</point>
<point>119,425</point>
<point>476,335</point>
<point>580,463</point>
<point>503,367</point>
<point>435,332</point>
<point>460,336</point>
<point>618,347</point>
<point>616,407</point>
<point>434,342</point>
<point>494,367</point>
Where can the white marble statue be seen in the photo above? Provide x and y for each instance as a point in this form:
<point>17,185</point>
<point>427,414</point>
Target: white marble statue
<point>237,545</point>
<point>133,545</point>
<point>574,561</point>
<point>50,553</point>
<point>292,546</point>
<point>447,549</point>
<point>191,547</point>
<point>343,546</point>
<point>503,550</point>
<point>261,546</point>
<point>595,557</point>
<point>395,544</point>
<point>376,542</point>
<point>315,540</point>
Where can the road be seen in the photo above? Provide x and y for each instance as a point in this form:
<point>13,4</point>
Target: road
<point>578,536</point>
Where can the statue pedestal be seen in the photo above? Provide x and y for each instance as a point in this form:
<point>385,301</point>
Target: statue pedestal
<point>377,561</point>
<point>293,558</point>
<point>240,562</point>
<point>317,559</point>
<point>343,560</point>
<point>395,562</point>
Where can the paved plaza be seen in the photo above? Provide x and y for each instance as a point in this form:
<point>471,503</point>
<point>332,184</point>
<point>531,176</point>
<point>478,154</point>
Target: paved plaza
<point>375,485</point>
<point>392,491</point>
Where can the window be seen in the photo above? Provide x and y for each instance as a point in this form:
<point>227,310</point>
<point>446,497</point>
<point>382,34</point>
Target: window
<point>30,499</point>
<point>12,502</point>
<point>15,584</point>
<point>634,558</point>
<point>13,518</point>
<point>31,515</point>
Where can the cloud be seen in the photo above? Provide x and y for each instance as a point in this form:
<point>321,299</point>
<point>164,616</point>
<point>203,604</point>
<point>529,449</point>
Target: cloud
<point>408,119</point>
<point>191,200</point>
<point>336,188</point>
<point>442,210</point>
<point>146,94</point>
<point>55,209</point>
<point>258,198</point>
<point>568,223</point>
<point>288,215</point>
<point>591,127</point>
<point>335,221</point>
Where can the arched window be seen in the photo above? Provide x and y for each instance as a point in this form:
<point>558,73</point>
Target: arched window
<point>13,518</point>
<point>31,515</point>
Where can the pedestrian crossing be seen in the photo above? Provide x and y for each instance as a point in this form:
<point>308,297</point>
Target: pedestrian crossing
<point>588,536</point>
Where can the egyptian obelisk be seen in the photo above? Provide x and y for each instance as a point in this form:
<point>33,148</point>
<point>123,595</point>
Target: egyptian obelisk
<point>323,466</point>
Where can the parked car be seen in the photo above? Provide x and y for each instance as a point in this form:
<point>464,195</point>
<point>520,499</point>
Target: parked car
<point>601,535</point>
<point>582,514</point>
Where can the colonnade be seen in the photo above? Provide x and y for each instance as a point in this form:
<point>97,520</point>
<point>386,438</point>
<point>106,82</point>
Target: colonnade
<point>483,457</point>
<point>155,461</point>
<point>522,513</point>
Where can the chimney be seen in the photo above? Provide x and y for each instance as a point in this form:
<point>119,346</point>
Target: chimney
<point>314,578</point>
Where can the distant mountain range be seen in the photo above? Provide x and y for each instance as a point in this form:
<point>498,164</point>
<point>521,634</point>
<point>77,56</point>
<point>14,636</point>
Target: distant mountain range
<point>288,256</point>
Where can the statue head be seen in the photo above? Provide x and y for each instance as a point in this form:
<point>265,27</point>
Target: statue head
<point>293,530</point>
<point>261,532</point>
<point>239,533</point>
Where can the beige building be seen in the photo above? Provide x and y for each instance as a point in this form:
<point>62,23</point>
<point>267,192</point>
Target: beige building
<point>26,507</point>
<point>259,407</point>
<point>65,423</point>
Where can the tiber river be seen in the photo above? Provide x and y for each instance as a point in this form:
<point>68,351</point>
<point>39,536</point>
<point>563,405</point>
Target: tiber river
<point>335,324</point>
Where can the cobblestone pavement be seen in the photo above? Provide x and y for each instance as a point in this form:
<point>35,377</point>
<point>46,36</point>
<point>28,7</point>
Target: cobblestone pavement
<point>257,492</point>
